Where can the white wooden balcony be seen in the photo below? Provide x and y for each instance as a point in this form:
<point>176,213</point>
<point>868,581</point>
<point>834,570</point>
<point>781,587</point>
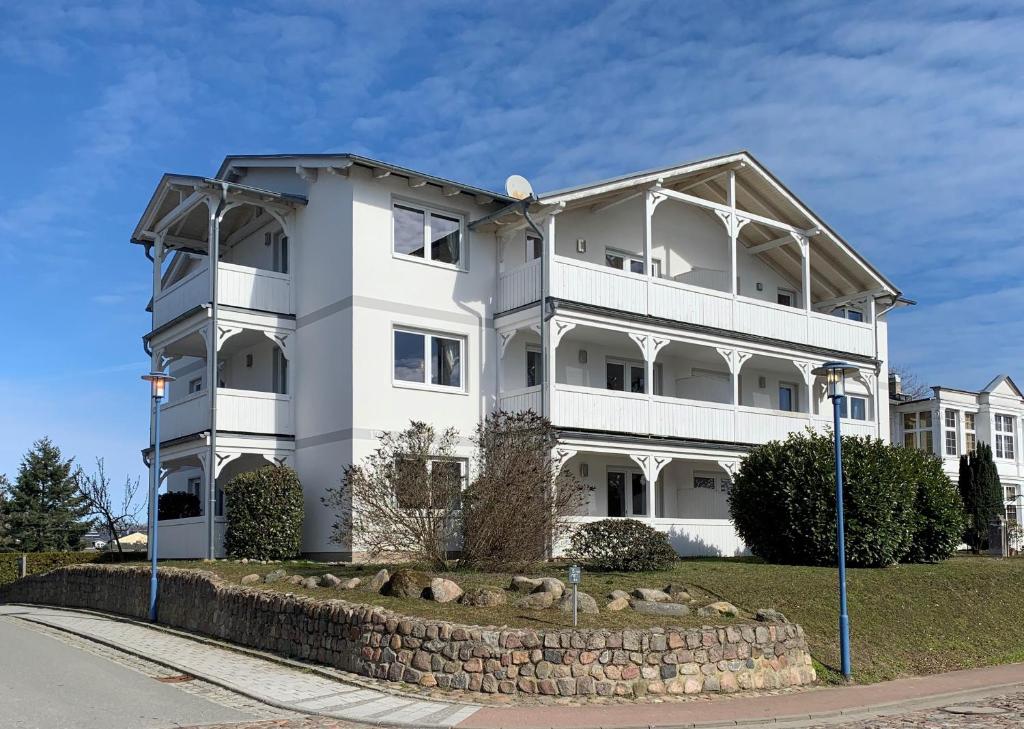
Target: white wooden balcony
<point>240,411</point>
<point>242,286</point>
<point>590,408</point>
<point>610,288</point>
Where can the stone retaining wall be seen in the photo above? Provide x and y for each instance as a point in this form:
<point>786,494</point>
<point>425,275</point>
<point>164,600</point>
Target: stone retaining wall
<point>372,641</point>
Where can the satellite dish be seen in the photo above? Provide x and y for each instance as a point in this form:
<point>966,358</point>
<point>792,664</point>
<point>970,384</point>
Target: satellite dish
<point>518,187</point>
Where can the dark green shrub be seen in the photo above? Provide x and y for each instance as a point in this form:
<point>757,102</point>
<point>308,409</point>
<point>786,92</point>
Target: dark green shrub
<point>783,503</point>
<point>264,514</point>
<point>939,511</point>
<point>621,545</point>
<point>981,493</point>
<point>40,562</point>
<point>177,505</point>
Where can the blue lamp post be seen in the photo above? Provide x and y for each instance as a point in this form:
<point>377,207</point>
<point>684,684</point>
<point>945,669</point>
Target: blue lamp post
<point>835,377</point>
<point>158,383</point>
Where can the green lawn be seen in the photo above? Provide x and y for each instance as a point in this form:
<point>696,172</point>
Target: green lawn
<point>906,620</point>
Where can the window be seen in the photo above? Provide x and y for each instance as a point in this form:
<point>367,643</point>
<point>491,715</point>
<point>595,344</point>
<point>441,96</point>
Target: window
<point>1012,493</point>
<point>629,376</point>
<point>427,234</point>
<point>195,385</point>
<point>786,297</point>
<point>970,433</point>
<point>1011,514</point>
<point>428,483</point>
<point>788,397</point>
<point>917,431</point>
<point>704,481</point>
<point>854,408</point>
<point>429,359</point>
<point>1004,436</point>
<point>534,367</point>
<point>616,493</point>
<point>280,253</point>
<point>194,486</point>
<point>950,423</point>
<point>846,312</point>
<point>534,248</point>
<point>219,504</point>
<point>630,262</point>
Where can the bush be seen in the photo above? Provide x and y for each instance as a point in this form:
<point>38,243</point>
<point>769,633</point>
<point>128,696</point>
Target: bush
<point>40,562</point>
<point>264,514</point>
<point>177,505</point>
<point>621,545</point>
<point>898,504</point>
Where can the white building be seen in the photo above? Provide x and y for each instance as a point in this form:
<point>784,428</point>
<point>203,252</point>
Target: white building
<point>951,422</point>
<point>685,309</point>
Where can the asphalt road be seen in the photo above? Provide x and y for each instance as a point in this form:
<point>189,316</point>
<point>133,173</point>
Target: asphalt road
<point>48,684</point>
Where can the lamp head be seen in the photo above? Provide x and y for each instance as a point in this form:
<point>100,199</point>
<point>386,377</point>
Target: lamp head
<point>158,383</point>
<point>835,374</point>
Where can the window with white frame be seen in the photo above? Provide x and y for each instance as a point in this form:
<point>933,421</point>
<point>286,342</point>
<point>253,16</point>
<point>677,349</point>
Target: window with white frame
<point>951,431</point>
<point>279,372</point>
<point>917,431</point>
<point>970,432</point>
<point>429,359</point>
<point>195,385</point>
<point>1011,514</point>
<point>855,407</point>
<point>534,248</point>
<point>534,367</point>
<point>630,262</point>
<point>1012,492</point>
<point>786,297</point>
<point>848,312</point>
<point>194,486</point>
<point>629,375</point>
<point>706,481</point>
<point>427,234</point>
<point>789,397</point>
<point>1004,436</point>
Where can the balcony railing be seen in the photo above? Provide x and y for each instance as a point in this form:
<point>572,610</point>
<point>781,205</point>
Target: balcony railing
<point>610,288</point>
<point>242,286</point>
<point>591,408</point>
<point>241,411</point>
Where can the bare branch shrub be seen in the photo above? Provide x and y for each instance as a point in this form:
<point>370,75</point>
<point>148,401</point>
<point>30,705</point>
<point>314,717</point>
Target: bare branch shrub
<point>95,491</point>
<point>520,501</point>
<point>403,500</point>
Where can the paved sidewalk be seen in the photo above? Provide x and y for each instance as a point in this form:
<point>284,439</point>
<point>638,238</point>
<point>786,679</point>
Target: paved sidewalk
<point>266,681</point>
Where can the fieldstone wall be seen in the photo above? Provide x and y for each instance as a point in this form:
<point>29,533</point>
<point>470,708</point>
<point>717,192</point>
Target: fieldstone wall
<point>371,641</point>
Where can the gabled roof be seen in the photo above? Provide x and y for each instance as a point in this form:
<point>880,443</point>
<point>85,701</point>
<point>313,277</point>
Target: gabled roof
<point>1000,379</point>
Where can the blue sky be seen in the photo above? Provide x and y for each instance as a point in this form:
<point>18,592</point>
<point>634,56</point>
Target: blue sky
<point>899,123</point>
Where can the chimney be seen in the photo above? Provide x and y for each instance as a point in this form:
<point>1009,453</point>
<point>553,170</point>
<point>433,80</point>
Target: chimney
<point>895,387</point>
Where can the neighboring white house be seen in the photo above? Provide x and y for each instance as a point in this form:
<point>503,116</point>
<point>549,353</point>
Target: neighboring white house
<point>685,309</point>
<point>951,422</point>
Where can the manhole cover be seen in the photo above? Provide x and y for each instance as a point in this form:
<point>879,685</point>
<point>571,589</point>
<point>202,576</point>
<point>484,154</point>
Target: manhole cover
<point>966,709</point>
<point>179,678</point>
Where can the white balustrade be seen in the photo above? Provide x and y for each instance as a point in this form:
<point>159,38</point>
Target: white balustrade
<point>517,401</point>
<point>242,411</point>
<point>242,286</point>
<point>520,286</point>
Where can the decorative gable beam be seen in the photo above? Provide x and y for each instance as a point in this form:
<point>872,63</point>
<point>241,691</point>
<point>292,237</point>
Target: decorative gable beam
<point>306,173</point>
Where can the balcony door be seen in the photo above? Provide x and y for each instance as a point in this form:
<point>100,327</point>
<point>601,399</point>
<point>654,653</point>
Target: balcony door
<point>627,493</point>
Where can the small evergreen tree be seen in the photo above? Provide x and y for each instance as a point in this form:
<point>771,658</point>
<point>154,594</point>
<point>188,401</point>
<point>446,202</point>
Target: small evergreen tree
<point>45,510</point>
<point>982,494</point>
<point>6,544</point>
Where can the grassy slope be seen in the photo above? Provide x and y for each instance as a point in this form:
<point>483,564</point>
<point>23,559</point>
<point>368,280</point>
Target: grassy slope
<point>907,620</point>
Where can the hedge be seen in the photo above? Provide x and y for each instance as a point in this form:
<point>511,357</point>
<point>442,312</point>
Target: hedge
<point>621,545</point>
<point>39,562</point>
<point>264,514</point>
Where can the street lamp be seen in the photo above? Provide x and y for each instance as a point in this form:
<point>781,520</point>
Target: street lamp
<point>158,383</point>
<point>835,378</point>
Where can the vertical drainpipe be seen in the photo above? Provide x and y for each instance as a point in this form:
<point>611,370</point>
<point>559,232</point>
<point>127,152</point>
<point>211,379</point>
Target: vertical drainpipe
<point>211,349</point>
<point>543,303</point>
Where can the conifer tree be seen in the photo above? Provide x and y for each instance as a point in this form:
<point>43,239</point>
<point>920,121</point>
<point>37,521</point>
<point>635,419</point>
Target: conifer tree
<point>982,494</point>
<point>44,509</point>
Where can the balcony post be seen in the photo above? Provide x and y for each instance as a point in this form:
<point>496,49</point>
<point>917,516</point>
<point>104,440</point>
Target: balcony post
<point>805,257</point>
<point>733,233</point>
<point>212,346</point>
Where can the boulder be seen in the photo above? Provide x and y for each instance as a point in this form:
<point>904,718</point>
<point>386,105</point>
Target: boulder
<point>667,609</point>
<point>550,584</point>
<point>295,580</point>
<point>442,590</point>
<point>536,601</point>
<point>329,580</point>
<point>524,584</point>
<point>350,584</point>
<point>768,615</point>
<point>619,603</point>
<point>617,594</point>
<point>678,593</point>
<point>244,560</point>
<point>651,595</point>
<point>484,597</point>
<point>250,579</point>
<point>407,583</point>
<point>309,583</point>
<point>275,576</point>
<point>379,580</point>
<point>719,609</point>
<point>585,603</point>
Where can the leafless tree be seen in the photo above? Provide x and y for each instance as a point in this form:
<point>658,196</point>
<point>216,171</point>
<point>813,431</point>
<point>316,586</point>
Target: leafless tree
<point>912,386</point>
<point>521,499</point>
<point>95,489</point>
<point>403,500</point>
